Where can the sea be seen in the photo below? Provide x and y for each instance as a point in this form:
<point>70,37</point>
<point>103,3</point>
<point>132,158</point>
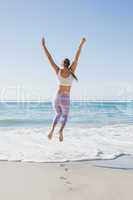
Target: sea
<point>96,130</point>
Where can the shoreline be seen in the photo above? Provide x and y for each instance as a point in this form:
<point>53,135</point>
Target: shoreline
<point>122,162</point>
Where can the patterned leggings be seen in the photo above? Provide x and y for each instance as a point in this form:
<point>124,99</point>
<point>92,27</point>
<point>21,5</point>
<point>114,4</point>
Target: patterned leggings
<point>61,106</point>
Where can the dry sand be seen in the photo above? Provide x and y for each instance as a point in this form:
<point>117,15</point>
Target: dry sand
<point>68,181</point>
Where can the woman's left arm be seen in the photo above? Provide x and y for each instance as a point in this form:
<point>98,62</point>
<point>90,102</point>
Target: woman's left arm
<point>54,66</point>
<point>75,62</point>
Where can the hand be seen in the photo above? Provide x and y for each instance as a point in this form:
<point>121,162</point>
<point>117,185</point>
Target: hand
<point>43,42</point>
<point>83,40</point>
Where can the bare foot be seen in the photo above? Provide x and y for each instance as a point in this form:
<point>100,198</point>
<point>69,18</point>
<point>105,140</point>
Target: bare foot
<point>61,136</point>
<point>50,135</point>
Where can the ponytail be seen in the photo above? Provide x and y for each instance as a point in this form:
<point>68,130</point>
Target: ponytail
<point>74,76</point>
<point>66,64</point>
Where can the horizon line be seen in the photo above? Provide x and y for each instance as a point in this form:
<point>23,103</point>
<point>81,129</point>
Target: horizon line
<point>48,100</point>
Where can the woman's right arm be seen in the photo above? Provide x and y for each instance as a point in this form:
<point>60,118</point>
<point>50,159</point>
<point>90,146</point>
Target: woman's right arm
<point>54,66</point>
<point>76,58</point>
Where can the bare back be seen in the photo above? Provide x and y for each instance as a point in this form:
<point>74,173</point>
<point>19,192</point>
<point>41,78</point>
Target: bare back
<point>65,90</point>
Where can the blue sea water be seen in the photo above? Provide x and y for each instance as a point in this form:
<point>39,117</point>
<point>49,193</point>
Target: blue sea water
<point>95,130</point>
<point>90,114</point>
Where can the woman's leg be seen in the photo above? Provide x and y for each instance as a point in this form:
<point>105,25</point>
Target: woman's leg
<point>65,103</point>
<point>56,119</point>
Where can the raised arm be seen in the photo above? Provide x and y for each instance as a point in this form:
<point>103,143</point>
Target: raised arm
<point>76,58</point>
<point>54,66</point>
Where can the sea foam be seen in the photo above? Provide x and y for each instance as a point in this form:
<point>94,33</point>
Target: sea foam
<point>80,143</point>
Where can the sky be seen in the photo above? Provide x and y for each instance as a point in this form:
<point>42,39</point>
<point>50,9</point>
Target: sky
<point>105,69</point>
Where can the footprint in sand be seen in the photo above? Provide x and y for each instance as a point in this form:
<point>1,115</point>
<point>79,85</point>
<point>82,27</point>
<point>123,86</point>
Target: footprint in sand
<point>68,182</point>
<point>62,165</point>
<point>66,169</point>
<point>71,188</point>
<point>63,178</point>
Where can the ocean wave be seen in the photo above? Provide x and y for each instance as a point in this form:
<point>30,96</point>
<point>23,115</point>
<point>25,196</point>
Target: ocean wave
<point>31,144</point>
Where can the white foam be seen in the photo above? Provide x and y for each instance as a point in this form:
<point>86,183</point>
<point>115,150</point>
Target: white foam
<point>31,144</point>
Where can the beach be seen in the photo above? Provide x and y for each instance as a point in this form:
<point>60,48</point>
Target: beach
<point>62,181</point>
<point>66,68</point>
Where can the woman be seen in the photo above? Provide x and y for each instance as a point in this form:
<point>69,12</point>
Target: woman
<point>65,76</point>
